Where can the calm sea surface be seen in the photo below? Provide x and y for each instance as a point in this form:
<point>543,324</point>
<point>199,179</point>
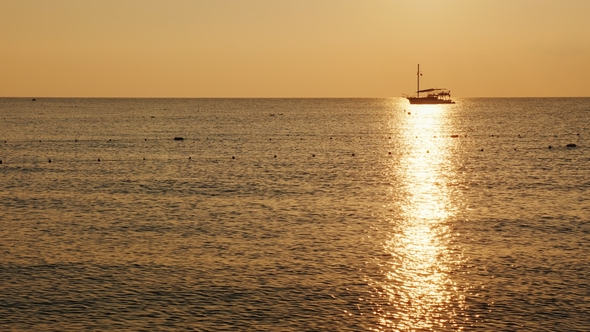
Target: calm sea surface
<point>294,215</point>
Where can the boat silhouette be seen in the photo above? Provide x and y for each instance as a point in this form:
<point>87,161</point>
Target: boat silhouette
<point>433,95</point>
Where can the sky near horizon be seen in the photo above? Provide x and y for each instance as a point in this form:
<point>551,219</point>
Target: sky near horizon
<point>288,48</point>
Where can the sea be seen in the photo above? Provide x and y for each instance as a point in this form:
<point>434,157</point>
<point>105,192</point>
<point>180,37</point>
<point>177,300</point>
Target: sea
<point>294,215</point>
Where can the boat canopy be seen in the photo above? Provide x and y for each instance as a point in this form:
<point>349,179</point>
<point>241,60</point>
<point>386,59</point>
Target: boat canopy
<point>431,90</point>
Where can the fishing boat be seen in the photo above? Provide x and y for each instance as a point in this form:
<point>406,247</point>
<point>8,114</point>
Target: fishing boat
<point>433,95</point>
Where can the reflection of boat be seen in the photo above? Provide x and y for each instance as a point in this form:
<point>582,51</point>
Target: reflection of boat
<point>434,96</point>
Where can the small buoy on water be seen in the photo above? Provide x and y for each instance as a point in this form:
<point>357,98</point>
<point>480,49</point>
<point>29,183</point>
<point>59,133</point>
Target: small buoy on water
<point>388,152</point>
<point>313,155</point>
<point>49,160</point>
<point>178,138</point>
<point>353,154</point>
<point>549,147</point>
<point>481,150</point>
<point>0,162</point>
<point>189,158</point>
<point>275,155</point>
<point>98,159</point>
<point>232,157</point>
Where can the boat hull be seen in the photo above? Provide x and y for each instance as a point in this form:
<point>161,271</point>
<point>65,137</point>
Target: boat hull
<point>428,101</point>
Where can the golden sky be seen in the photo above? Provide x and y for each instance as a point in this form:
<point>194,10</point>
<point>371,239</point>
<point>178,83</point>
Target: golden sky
<point>293,48</point>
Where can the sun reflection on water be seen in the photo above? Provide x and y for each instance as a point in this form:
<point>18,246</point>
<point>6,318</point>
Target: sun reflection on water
<point>417,283</point>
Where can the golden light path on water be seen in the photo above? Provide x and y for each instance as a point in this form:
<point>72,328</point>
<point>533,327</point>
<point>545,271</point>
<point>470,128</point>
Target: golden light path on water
<point>417,283</point>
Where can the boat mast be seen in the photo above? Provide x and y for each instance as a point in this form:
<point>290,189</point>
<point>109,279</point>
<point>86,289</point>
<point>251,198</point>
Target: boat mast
<point>418,80</point>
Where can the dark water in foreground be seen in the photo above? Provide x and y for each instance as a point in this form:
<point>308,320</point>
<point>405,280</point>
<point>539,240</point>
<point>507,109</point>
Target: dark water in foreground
<point>294,215</point>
